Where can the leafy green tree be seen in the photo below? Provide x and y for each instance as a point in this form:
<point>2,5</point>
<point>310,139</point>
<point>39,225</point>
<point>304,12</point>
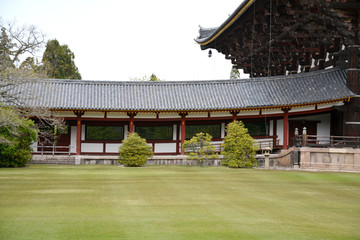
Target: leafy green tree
<point>239,149</point>
<point>134,151</point>
<point>199,148</point>
<point>59,61</point>
<point>234,74</point>
<point>16,139</point>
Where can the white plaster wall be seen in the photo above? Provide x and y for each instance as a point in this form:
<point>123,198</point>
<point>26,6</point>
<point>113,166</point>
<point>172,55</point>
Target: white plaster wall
<point>245,113</point>
<point>328,105</point>
<point>112,147</point>
<point>323,128</point>
<point>165,147</point>
<point>63,114</point>
<point>271,127</point>
<point>34,146</point>
<point>117,115</point>
<point>73,139</point>
<point>271,111</point>
<point>83,132</point>
<point>92,147</point>
<point>197,115</point>
<point>94,114</point>
<point>169,115</point>
<point>174,131</point>
<point>145,115</point>
<point>220,114</point>
<point>126,131</point>
<point>301,109</point>
<point>222,134</point>
<point>280,130</point>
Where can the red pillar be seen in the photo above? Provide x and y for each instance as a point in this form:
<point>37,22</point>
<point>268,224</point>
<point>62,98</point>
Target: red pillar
<point>182,134</point>
<point>234,113</point>
<point>78,134</point>
<point>131,121</point>
<point>286,128</point>
<point>131,124</point>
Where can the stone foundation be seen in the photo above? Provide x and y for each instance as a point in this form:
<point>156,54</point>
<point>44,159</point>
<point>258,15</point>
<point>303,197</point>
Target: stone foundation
<point>330,159</point>
<point>59,160</point>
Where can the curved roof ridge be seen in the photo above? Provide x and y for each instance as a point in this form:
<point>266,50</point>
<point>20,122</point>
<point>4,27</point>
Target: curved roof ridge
<point>193,82</point>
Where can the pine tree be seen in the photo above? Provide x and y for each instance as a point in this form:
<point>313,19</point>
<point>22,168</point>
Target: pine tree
<point>5,51</point>
<point>59,61</point>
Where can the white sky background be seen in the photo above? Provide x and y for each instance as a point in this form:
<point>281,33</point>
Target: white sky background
<point>119,40</point>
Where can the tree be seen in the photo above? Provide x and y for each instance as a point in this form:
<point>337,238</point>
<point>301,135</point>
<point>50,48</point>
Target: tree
<point>15,126</point>
<point>15,139</point>
<point>32,64</point>
<point>234,74</point>
<point>134,151</point>
<point>59,61</point>
<point>5,51</point>
<point>199,148</point>
<point>239,148</point>
<point>152,78</point>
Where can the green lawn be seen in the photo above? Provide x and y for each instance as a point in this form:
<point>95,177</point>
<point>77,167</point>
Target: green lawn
<point>167,202</point>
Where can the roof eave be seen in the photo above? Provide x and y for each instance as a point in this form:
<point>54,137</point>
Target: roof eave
<point>228,22</point>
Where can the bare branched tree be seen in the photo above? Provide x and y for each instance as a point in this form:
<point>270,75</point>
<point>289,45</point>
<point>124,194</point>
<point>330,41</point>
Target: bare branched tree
<point>15,42</point>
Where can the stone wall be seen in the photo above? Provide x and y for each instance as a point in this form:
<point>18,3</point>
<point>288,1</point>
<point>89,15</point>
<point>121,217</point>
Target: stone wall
<point>285,159</point>
<point>60,160</point>
<point>332,159</point>
<point>180,160</point>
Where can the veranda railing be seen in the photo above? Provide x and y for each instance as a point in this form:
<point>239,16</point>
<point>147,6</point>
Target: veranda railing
<point>327,141</point>
<point>52,150</point>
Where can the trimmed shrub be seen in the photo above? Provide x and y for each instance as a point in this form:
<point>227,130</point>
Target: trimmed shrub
<point>134,151</point>
<point>239,147</point>
<point>199,148</point>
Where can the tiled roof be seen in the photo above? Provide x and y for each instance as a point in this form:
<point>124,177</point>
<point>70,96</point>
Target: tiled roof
<point>298,89</point>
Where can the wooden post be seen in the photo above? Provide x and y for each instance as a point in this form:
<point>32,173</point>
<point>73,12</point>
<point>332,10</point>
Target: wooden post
<point>182,132</point>
<point>131,121</point>
<point>286,128</point>
<point>234,113</point>
<point>78,134</point>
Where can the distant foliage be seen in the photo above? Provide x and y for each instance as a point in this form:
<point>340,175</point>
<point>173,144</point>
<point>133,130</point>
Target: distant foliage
<point>234,74</point>
<point>134,151</point>
<point>239,148</point>
<point>199,148</point>
<point>15,140</point>
<point>152,78</point>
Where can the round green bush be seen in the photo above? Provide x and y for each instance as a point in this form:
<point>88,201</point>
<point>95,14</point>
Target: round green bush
<point>134,151</point>
<point>239,147</point>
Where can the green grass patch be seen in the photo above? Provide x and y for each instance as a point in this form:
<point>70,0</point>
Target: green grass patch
<point>168,202</point>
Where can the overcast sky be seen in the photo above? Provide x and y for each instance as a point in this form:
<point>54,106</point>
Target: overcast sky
<point>119,40</point>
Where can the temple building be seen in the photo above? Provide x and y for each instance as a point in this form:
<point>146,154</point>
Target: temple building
<point>303,61</point>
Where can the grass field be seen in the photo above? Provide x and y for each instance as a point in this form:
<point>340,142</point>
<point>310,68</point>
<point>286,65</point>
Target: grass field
<point>168,202</point>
